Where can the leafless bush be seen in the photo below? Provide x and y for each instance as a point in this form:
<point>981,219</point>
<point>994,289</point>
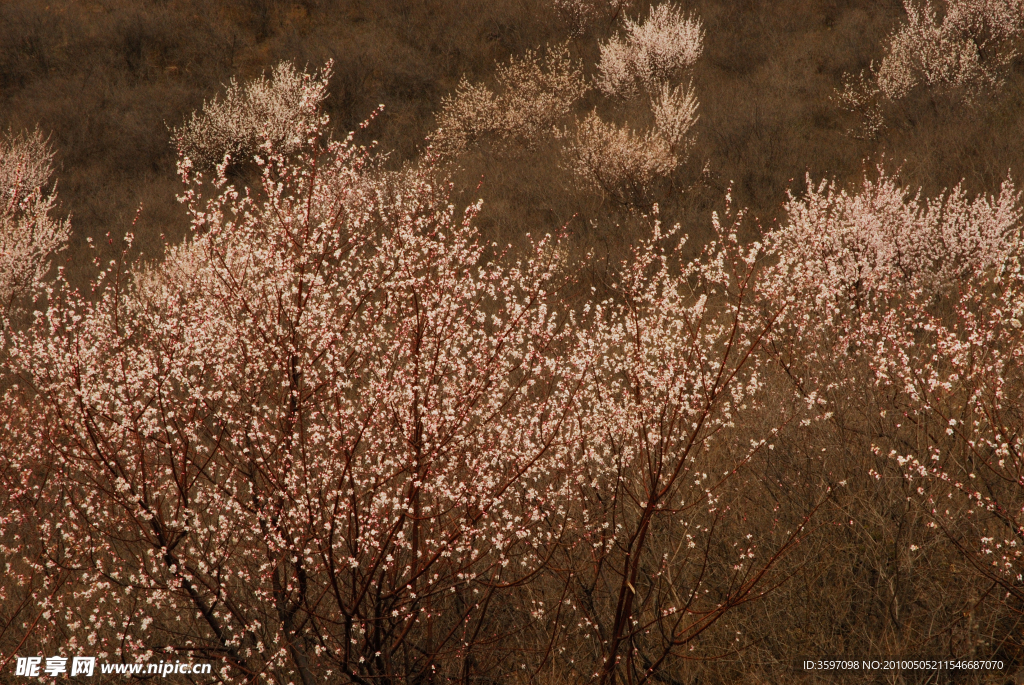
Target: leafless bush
<point>581,15</point>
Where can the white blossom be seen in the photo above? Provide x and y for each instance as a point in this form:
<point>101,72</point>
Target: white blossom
<point>660,49</point>
<point>29,235</point>
<point>264,111</point>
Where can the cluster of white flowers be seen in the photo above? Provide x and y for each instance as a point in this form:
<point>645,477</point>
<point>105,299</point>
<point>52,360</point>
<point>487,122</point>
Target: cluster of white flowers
<point>28,234</point>
<point>660,49</point>
<point>675,113</point>
<point>966,51</point>
<point>646,62</point>
<point>533,94</point>
<point>884,236</point>
<point>262,111</point>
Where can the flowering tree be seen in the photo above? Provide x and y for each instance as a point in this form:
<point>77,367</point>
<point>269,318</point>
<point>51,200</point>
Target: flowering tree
<point>956,430</point>
<point>837,243</point>
<point>316,434</point>
<point>332,435</point>
<point>274,109</point>
<point>536,97</point>
<point>926,296</point>
<point>534,94</point>
<point>646,64</point>
<point>660,49</point>
<point>29,236</point>
<point>622,162</point>
<point>966,52</point>
<point>625,163</point>
<point>682,408</point>
<point>675,113</point>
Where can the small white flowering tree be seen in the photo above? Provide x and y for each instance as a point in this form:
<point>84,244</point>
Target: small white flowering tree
<point>620,161</point>
<point>660,49</point>
<point>272,110</point>
<point>29,235</point>
<point>536,97</point>
<point>534,94</point>
<point>647,63</point>
<point>965,52</point>
<point>625,163</point>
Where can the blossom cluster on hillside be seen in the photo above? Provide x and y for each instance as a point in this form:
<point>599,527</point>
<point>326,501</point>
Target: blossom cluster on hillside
<point>336,435</point>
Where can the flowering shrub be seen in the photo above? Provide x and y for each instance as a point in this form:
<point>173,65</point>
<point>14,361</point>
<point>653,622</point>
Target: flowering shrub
<point>675,113</point>
<point>265,111</point>
<point>682,375</point>
<point>955,374</point>
<point>836,243</point>
<point>619,160</point>
<point>534,94</point>
<point>927,296</point>
<point>651,53</point>
<point>536,97</point>
<point>625,163</point>
<point>965,52</point>
<point>28,234</point>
